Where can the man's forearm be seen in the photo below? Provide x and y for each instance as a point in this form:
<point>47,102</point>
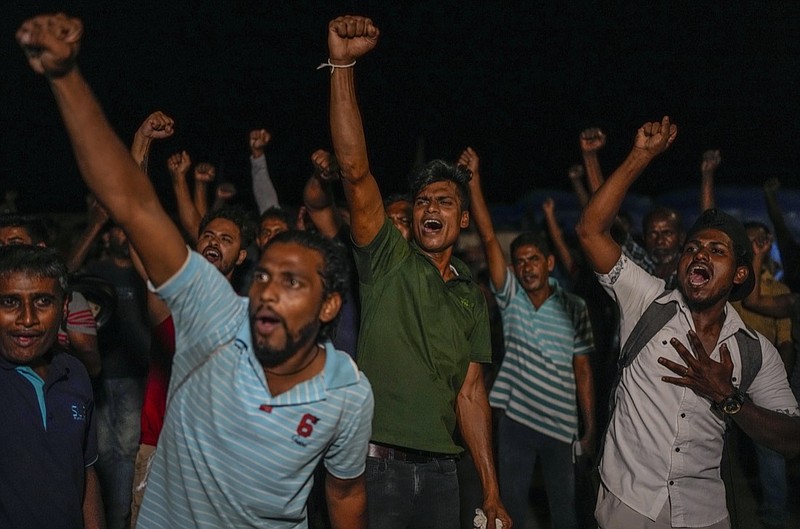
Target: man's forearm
<point>594,174</point>
<point>187,211</point>
<point>776,431</point>
<point>347,502</point>
<point>604,204</point>
<point>584,381</point>
<point>347,129</point>
<point>475,424</point>
<point>93,515</point>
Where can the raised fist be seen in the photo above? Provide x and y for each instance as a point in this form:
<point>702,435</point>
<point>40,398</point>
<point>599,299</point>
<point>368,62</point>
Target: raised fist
<point>549,206</point>
<point>226,191</point>
<point>592,140</point>
<point>655,137</point>
<point>575,172</point>
<point>350,37</point>
<point>204,172</point>
<point>258,140</point>
<point>157,126</point>
<point>178,164</point>
<point>51,43</point>
<point>470,159</point>
<point>325,165</point>
<point>772,185</point>
<point>711,160</point>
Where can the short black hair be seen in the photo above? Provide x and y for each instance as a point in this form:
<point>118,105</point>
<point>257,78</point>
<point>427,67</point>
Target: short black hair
<point>34,225</point>
<point>441,171</point>
<point>662,211</point>
<point>36,261</point>
<point>537,239</point>
<point>275,212</point>
<point>396,197</point>
<point>236,214</point>
<point>335,271</point>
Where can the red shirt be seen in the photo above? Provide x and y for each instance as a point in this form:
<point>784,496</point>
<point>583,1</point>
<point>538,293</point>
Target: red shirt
<point>157,382</point>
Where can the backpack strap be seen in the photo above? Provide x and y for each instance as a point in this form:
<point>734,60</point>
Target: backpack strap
<point>652,320</point>
<point>750,352</point>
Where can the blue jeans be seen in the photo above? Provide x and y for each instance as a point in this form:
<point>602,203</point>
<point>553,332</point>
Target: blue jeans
<point>774,509</point>
<point>118,415</point>
<point>518,449</point>
<point>404,495</point>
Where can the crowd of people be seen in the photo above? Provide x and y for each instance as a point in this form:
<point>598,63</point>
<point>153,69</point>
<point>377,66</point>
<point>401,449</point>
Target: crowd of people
<point>337,366</point>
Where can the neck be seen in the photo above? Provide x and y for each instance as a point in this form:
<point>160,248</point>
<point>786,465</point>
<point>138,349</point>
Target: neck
<point>710,321</point>
<point>299,368</point>
<point>442,260</point>
<point>539,296</point>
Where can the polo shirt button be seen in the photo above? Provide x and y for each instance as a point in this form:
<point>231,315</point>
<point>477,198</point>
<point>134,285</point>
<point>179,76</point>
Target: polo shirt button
<point>671,482</point>
<point>678,449</point>
<point>663,342</point>
<point>733,379</point>
<point>683,415</point>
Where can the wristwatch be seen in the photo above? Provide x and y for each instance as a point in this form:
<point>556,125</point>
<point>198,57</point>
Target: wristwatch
<point>731,404</point>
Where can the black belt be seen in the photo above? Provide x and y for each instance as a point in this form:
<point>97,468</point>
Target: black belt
<point>408,455</point>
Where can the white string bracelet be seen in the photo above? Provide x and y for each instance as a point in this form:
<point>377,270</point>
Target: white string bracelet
<point>332,66</point>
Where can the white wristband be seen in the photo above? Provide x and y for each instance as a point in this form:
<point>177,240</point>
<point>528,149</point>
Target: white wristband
<point>332,66</point>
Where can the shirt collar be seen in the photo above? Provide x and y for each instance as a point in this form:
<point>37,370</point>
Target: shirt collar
<point>732,324</point>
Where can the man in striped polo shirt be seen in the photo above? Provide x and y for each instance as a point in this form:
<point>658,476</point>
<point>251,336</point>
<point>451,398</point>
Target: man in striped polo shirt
<point>545,370</point>
<point>258,395</point>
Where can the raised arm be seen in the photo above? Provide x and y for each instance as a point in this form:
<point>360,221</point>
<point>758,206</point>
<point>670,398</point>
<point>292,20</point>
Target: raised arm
<point>96,219</point>
<point>594,226</point>
<point>318,195</point>
<point>349,38</point>
<point>263,190</point>
<point>789,247</point>
<point>51,45</point>
<point>156,126</point>
<point>591,141</point>
<point>711,160</point>
<point>557,236</point>
<point>774,306</point>
<point>204,174</point>
<point>575,174</point>
<point>178,166</point>
<point>498,268</point>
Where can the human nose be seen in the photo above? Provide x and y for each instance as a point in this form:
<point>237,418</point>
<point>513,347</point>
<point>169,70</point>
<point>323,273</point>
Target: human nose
<point>28,316</point>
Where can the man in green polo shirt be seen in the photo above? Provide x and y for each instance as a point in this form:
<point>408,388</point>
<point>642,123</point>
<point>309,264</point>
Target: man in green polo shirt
<point>424,323</point>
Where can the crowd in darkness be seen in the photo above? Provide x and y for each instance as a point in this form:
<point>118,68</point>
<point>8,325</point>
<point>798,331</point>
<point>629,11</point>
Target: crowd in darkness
<point>339,363</point>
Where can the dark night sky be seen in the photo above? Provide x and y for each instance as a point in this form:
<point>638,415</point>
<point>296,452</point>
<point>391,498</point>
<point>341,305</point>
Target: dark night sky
<point>516,80</point>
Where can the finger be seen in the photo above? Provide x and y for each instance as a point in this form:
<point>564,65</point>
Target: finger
<point>725,356</point>
<point>682,351</point>
<point>678,369</point>
<point>697,346</point>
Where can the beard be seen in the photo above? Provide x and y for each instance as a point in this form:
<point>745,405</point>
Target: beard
<point>271,357</point>
<point>703,304</point>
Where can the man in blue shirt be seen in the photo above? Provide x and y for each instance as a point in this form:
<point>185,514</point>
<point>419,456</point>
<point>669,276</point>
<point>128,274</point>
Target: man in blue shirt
<point>257,395</point>
<point>47,436</point>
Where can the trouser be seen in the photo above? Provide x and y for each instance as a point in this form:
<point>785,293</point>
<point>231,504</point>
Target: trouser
<point>418,495</point>
<point>518,450</point>
<point>118,415</point>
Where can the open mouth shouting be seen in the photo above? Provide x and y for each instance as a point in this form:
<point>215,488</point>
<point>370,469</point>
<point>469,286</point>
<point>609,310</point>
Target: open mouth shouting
<point>212,254</point>
<point>266,321</point>
<point>698,275</point>
<point>431,226</point>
